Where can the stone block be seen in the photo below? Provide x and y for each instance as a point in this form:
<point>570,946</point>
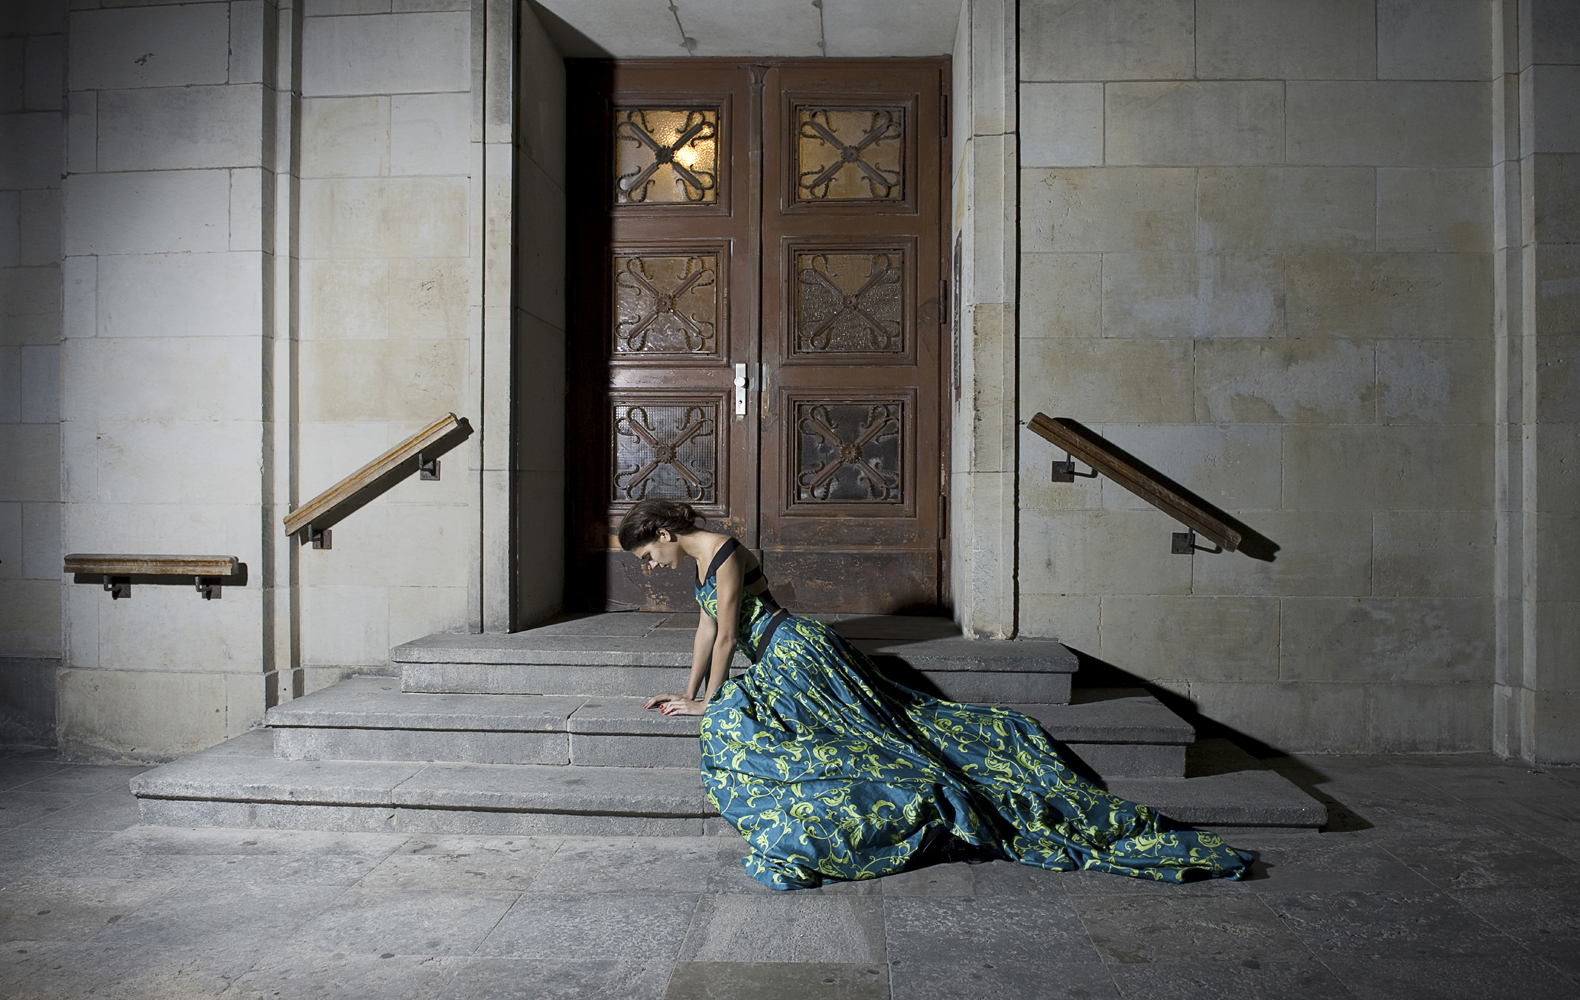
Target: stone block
<point>393,217</point>
<point>1433,553</point>
<point>12,74</point>
<point>1321,552</point>
<point>1120,760</point>
<point>248,27</point>
<point>431,133</point>
<point>346,136</point>
<point>1557,290</point>
<point>179,295</point>
<point>1039,494</point>
<point>195,461</point>
<point>1556,719</point>
<point>1236,465</point>
<point>1240,295</point>
<point>32,457</point>
<point>1123,40</point>
<point>1439,295</point>
<point>540,221</point>
<point>1388,123</point>
<point>150,47</point>
<point>1309,717</point>
<point>1371,640</point>
<point>1557,198</point>
<point>418,611</point>
<point>1060,295</point>
<point>344,625</point>
<point>266,815</point>
<point>390,380</point>
<point>1269,39</point>
<point>1150,295</point>
<point>140,713</point>
<point>1358,467</point>
<point>1425,210</point>
<point>30,305</point>
<point>30,618</point>
<point>1109,381</point>
<point>174,378</point>
<point>397,54</point>
<point>82,131</point>
<point>542,824</point>
<point>1279,209</point>
<point>718,31</point>
<point>27,699</point>
<point>157,631</point>
<point>1433,40</point>
<point>430,549</point>
<point>1061,124</point>
<point>1193,638</point>
<point>10,228</point>
<point>635,751</point>
<point>1175,124</point>
<point>346,299</point>
<point>174,211</point>
<point>10,385</point>
<point>32,141</point>
<point>1434,382</point>
<point>41,549</point>
<point>1247,798</point>
<point>167,128</point>
<point>1558,530</point>
<point>1278,381</point>
<point>1110,209</point>
<point>1429,718</point>
<point>38,227</point>
<point>1102,552</point>
<point>421,745</point>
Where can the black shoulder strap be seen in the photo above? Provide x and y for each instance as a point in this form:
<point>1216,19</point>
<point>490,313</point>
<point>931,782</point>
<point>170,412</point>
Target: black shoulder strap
<point>718,559</point>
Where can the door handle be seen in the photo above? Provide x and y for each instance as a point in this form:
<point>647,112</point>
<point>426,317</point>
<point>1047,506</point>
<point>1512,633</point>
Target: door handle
<point>740,390</point>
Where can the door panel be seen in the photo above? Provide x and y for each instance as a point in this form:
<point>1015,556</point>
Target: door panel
<point>784,217</point>
<point>662,242</point>
<point>850,465</point>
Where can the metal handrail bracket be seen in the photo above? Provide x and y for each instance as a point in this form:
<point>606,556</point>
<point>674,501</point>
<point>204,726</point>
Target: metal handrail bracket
<point>1104,458</point>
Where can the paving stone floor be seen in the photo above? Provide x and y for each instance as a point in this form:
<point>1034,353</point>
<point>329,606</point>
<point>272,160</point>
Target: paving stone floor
<point>1443,878</point>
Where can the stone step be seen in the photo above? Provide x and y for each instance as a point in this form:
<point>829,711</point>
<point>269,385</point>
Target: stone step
<point>631,654</point>
<point>233,785</point>
<point>1116,732</point>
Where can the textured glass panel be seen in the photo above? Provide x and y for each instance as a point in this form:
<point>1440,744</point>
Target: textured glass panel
<point>850,302</point>
<point>666,156</point>
<point>850,154</point>
<point>848,452</point>
<point>665,451</point>
<point>666,304</point>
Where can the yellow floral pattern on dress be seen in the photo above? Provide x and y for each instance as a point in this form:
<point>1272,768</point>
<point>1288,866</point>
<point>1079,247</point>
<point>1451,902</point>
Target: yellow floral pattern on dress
<point>830,770</point>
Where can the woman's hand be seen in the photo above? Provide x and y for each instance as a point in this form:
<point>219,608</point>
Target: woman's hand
<point>676,704</point>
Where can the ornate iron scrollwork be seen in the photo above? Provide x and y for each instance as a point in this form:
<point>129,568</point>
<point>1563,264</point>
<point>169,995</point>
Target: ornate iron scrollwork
<point>664,451</point>
<point>850,302</point>
<point>862,466</point>
<point>666,305</point>
<point>680,144</point>
<point>867,148</point>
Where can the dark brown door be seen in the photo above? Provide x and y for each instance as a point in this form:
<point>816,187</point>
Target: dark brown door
<point>778,225</point>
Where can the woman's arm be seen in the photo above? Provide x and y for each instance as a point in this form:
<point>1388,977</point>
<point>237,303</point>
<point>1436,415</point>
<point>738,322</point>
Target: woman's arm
<point>701,661</point>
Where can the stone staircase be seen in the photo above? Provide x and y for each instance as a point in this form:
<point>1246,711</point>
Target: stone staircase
<point>543,732</point>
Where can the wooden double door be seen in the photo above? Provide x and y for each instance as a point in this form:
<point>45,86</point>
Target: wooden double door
<point>757,307</point>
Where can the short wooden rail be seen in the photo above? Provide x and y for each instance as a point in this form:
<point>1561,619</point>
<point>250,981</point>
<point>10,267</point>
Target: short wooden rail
<point>1104,458</point>
<point>326,507</point>
<point>117,571</point>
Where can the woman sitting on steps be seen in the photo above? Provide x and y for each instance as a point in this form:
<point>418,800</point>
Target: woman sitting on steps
<point>828,769</point>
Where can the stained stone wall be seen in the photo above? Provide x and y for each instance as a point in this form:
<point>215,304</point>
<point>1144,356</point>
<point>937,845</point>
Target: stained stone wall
<point>32,99</point>
<point>1256,252</point>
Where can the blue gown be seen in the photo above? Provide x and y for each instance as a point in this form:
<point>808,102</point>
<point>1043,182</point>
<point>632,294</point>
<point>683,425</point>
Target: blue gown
<point>830,770</point>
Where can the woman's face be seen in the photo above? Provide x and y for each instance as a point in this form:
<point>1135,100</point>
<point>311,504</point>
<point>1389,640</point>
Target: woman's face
<point>662,551</point>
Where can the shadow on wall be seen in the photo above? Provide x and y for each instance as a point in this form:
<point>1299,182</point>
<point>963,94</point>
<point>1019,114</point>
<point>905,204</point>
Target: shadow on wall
<point>1095,674</point>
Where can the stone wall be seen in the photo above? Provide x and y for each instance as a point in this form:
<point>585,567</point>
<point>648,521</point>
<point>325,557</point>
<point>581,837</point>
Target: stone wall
<point>1537,228</point>
<point>32,99</point>
<point>1256,253</point>
<point>391,295</point>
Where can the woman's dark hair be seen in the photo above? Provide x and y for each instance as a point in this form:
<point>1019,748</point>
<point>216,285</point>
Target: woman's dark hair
<point>643,522</point>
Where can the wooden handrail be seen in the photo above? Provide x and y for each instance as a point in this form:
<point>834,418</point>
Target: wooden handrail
<point>369,474</point>
<point>1106,459</point>
<point>98,564</point>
